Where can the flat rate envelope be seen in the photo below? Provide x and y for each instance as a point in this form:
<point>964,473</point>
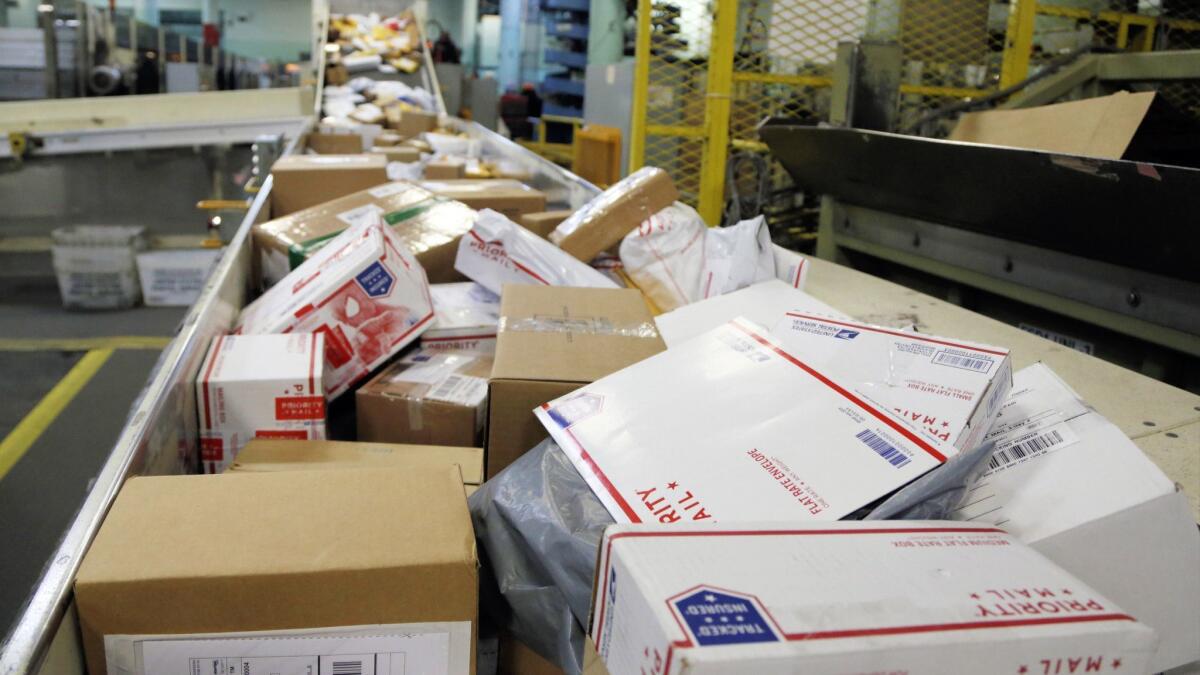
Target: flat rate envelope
<point>728,427</point>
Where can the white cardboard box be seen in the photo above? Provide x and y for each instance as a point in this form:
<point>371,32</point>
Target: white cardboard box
<point>763,303</point>
<point>912,597</point>
<point>730,427</point>
<point>950,388</point>
<point>1068,482</point>
<point>466,317</point>
<point>259,386</point>
<point>364,291</point>
<point>497,251</point>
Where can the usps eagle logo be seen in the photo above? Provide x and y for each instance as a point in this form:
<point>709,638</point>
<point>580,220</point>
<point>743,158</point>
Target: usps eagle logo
<point>720,617</point>
<point>846,334</point>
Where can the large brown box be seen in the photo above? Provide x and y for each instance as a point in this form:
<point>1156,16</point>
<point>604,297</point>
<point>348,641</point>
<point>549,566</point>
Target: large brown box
<point>603,222</point>
<point>554,340</point>
<point>289,550</point>
<point>410,123</point>
<point>509,197</point>
<point>269,454</point>
<point>430,226</point>
<point>301,181</point>
<point>443,403</point>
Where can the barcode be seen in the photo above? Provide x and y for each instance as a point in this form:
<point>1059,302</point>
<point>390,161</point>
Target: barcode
<point>1024,449</point>
<point>948,359</point>
<point>882,448</point>
<point>347,667</point>
<point>447,386</point>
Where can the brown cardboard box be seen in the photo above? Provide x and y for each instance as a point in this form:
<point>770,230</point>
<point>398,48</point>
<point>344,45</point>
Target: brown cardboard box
<point>263,454</point>
<point>334,144</point>
<point>592,665</point>
<point>543,223</point>
<point>445,168</point>
<point>603,222</point>
<point>289,550</point>
<point>586,333</point>
<point>509,197</point>
<point>336,74</point>
<point>301,181</point>
<point>410,123</point>
<point>397,153</point>
<point>431,398</point>
<point>515,658</point>
<point>1095,127</point>
<point>431,227</point>
<point>388,138</point>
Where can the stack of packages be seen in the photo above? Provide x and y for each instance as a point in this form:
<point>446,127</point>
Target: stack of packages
<point>367,42</point>
<point>667,452</point>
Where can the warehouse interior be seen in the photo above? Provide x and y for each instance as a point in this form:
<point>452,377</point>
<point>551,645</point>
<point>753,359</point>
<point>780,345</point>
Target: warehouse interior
<point>447,336</point>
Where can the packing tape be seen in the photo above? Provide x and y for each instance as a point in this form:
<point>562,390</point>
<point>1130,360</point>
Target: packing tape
<point>579,325</point>
<point>415,421</point>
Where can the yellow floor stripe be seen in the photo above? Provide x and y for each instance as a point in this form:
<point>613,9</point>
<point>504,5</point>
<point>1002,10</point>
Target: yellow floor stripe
<point>83,344</point>
<point>29,429</point>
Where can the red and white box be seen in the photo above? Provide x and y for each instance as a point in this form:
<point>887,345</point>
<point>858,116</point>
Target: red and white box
<point>259,386</point>
<point>364,291</point>
<point>498,251</point>
<point>851,598</point>
<point>949,388</point>
<point>466,318</point>
<point>729,426</point>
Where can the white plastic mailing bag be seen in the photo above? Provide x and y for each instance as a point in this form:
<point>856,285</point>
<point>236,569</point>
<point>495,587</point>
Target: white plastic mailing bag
<point>497,251</point>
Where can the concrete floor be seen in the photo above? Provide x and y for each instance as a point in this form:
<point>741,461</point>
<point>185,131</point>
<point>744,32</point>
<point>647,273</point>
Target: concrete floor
<point>42,492</point>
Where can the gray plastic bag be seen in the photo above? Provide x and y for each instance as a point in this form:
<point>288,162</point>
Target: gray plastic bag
<point>540,525</point>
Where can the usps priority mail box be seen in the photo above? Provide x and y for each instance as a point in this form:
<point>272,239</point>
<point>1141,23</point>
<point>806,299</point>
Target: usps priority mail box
<point>950,388</point>
<point>729,426</point>
<point>364,291</point>
<point>912,597</point>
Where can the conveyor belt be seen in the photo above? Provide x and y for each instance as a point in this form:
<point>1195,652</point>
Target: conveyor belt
<point>1127,213</point>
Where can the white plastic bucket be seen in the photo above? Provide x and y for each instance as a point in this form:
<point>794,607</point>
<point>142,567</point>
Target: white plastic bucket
<point>174,278</point>
<point>96,266</point>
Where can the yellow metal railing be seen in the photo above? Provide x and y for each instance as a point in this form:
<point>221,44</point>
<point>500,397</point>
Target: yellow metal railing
<point>707,71</point>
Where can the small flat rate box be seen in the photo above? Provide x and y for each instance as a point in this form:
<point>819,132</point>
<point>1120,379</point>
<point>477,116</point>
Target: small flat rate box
<point>283,572</point>
<point>465,319</point>
<point>259,386</point>
<point>935,598</point>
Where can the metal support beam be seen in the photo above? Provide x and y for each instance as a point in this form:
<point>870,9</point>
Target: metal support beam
<point>1143,66</point>
<point>1057,85</point>
<point>716,113</point>
<point>50,42</point>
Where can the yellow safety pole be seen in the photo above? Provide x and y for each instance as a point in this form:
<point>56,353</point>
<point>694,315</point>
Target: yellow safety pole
<point>641,83</point>
<point>1018,42</point>
<point>716,112</point>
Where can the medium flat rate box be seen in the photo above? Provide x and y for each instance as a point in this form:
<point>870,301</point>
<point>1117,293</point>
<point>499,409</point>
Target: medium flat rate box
<point>429,398</point>
<point>466,318</point>
<point>259,386</point>
<point>764,303</point>
<point>729,426</point>
<point>552,341</point>
<point>509,197</point>
<point>603,222</point>
<point>364,292</point>
<point>429,226</point>
<point>278,455</point>
<point>301,181</point>
<point>1070,484</point>
<point>936,598</point>
<point>949,388</point>
<point>271,572</point>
